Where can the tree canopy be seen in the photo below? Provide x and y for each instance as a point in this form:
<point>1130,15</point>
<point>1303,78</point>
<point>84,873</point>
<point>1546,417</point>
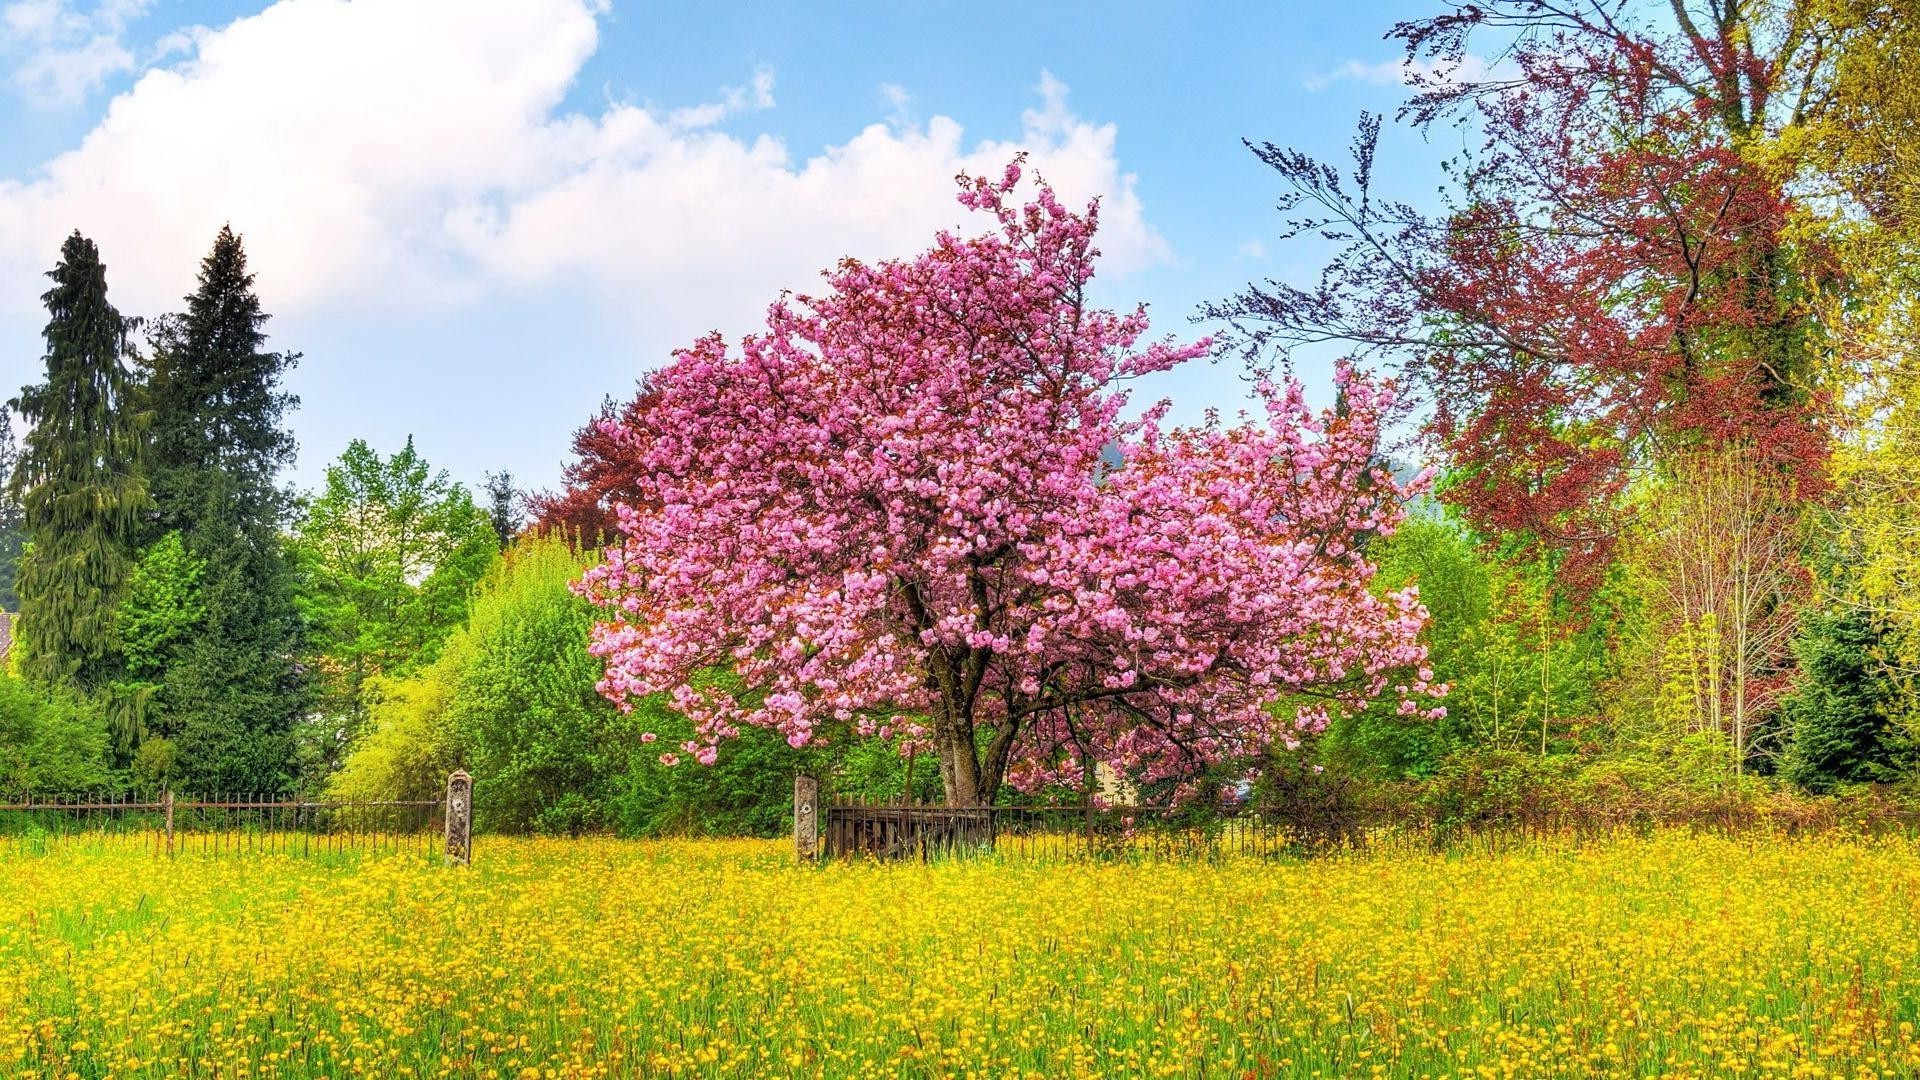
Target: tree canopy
<point>913,504</point>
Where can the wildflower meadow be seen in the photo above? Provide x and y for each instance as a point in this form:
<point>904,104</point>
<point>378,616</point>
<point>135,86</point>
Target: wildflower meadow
<point>1669,954</point>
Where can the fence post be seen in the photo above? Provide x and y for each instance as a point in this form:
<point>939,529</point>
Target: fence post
<point>166,803</point>
<point>1089,777</point>
<point>806,817</point>
<point>460,818</point>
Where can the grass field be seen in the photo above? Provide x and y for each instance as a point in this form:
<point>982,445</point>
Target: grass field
<point>1673,956</point>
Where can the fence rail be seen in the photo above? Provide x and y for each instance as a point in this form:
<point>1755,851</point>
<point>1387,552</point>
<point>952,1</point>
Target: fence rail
<point>227,822</point>
<point>896,830</point>
<point>843,828</point>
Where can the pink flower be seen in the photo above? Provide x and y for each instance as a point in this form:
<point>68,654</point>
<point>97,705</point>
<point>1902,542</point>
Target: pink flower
<point>890,480</point>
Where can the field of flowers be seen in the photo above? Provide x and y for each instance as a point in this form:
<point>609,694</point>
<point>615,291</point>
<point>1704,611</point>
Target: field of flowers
<point>1671,955</point>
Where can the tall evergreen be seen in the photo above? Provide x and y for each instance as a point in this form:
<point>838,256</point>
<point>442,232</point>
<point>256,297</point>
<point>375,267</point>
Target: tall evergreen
<point>78,481</point>
<point>228,695</point>
<point>503,507</point>
<point>12,521</point>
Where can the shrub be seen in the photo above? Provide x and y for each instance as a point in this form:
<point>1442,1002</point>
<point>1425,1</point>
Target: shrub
<point>51,741</point>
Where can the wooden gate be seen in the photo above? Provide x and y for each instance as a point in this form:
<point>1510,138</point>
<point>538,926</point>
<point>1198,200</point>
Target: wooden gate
<point>903,830</point>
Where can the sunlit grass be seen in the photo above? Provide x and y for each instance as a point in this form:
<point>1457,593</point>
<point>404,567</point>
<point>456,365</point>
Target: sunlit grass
<point>1673,956</point>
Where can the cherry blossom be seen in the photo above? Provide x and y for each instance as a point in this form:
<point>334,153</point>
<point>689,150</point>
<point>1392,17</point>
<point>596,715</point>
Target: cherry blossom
<point>915,506</point>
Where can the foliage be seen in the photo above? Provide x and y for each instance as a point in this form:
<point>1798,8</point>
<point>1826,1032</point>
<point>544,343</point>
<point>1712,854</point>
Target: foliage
<point>1862,153</point>
<point>521,704</point>
<point>405,750</point>
<point>51,742</point>
<point>1613,277</point>
<point>1840,709</point>
<point>512,698</point>
<point>1720,553</point>
<point>748,791</point>
<point>164,607</point>
<point>79,481</point>
<point>1523,667</point>
<point>390,551</point>
<point>903,500</point>
<point>1681,781</point>
<point>229,695</point>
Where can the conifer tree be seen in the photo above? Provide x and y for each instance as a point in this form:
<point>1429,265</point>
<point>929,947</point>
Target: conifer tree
<point>79,481</point>
<point>12,534</point>
<point>226,695</point>
<point>503,507</point>
<point>1841,711</point>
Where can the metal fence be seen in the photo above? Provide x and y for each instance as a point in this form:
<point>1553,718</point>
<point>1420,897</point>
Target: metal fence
<point>244,822</point>
<point>851,828</point>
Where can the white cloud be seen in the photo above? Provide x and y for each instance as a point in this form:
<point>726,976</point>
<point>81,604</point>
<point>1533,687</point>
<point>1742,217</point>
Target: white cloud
<point>755,96</point>
<point>59,54</point>
<point>899,103</point>
<point>400,154</point>
<point>1401,72</point>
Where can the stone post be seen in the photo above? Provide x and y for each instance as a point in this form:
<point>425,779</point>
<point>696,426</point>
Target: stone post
<point>166,803</point>
<point>806,817</point>
<point>460,818</point>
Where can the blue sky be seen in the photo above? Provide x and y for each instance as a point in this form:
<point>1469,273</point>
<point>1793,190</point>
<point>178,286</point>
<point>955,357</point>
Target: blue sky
<point>477,217</point>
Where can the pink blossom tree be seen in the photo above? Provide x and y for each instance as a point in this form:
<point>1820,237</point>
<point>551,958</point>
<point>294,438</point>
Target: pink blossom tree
<point>913,506</point>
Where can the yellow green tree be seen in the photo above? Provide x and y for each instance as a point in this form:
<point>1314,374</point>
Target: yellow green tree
<point>1859,152</point>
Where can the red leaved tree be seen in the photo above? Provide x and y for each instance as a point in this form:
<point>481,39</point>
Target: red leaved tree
<point>1612,282</point>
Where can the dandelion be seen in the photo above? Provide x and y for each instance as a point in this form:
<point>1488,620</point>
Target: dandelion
<point>1670,954</point>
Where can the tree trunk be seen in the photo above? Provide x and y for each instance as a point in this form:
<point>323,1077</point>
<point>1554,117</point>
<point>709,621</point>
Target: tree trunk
<point>959,764</point>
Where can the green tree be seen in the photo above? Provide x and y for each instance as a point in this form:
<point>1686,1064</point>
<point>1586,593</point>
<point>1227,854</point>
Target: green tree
<point>1456,588</point>
<point>512,698</point>
<point>1523,667</point>
<point>1839,710</point>
<point>12,533</point>
<point>390,551</point>
<point>230,694</point>
<point>405,750</point>
<point>503,507</point>
<point>522,704</point>
<point>164,610</point>
<point>79,481</point>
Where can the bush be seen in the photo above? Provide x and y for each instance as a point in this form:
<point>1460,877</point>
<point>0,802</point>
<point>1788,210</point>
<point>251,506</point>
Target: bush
<point>406,750</point>
<point>51,742</point>
<point>543,746</point>
<point>512,699</point>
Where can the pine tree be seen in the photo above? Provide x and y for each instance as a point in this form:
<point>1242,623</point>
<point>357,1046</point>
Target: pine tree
<point>79,481</point>
<point>229,693</point>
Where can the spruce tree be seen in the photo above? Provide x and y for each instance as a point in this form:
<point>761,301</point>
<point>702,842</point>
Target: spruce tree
<point>229,693</point>
<point>1841,710</point>
<point>12,521</point>
<point>503,507</point>
<point>78,481</point>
